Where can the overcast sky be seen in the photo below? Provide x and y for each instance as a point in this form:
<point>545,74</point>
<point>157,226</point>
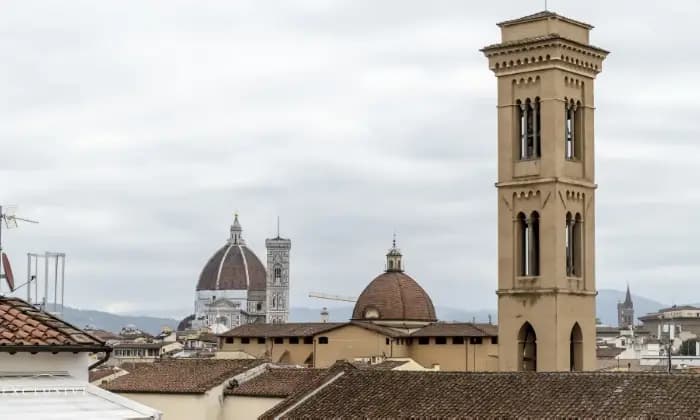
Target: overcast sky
<point>133,130</point>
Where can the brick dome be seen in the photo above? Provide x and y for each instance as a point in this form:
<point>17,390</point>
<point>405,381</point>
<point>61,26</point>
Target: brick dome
<point>233,267</point>
<point>394,296</point>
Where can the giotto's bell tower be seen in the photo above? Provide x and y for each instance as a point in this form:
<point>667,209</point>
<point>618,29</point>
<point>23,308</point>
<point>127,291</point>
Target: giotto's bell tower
<point>546,70</point>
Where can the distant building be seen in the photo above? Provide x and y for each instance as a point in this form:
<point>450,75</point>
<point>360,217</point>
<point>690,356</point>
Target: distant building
<point>235,288</point>
<point>625,312</point>
<point>671,323</point>
<point>394,317</point>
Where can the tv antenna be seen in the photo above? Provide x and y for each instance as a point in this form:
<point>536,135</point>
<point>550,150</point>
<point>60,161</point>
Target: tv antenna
<point>9,218</point>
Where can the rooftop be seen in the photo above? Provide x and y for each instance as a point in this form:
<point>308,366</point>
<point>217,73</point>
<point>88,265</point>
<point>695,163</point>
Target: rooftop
<point>368,393</point>
<point>457,329</point>
<point>59,396</point>
<point>277,382</point>
<point>292,329</point>
<point>179,376</point>
<point>26,328</point>
<point>545,14</point>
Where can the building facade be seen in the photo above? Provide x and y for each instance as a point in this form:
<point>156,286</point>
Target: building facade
<point>235,288</point>
<point>625,312</point>
<point>545,69</point>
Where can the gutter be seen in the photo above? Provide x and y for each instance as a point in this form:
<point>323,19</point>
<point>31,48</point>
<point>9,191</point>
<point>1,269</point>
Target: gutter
<point>108,352</point>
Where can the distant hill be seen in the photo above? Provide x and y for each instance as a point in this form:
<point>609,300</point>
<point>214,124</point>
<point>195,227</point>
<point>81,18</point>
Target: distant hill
<point>113,322</point>
<point>606,310</point>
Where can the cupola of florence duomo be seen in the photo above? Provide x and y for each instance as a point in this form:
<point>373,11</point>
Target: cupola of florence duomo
<point>545,69</point>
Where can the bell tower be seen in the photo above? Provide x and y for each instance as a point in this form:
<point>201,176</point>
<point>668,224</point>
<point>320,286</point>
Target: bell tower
<point>545,69</point>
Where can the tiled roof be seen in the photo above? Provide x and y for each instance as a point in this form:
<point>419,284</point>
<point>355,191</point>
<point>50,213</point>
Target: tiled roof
<point>278,382</point>
<point>390,332</point>
<point>385,365</point>
<point>339,367</point>
<point>370,393</point>
<point>607,352</point>
<point>395,296</point>
<point>100,373</point>
<point>184,376</point>
<point>456,329</point>
<point>23,326</point>
<point>300,329</point>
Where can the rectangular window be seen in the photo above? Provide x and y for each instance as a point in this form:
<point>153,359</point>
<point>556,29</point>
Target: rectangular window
<point>322,340</point>
<point>494,340</point>
<point>423,340</point>
<point>245,340</point>
<point>475,340</point>
<point>261,340</point>
<point>387,341</point>
<point>457,340</point>
<point>279,340</point>
<point>293,340</point>
<point>440,340</point>
<point>229,340</point>
<point>308,340</point>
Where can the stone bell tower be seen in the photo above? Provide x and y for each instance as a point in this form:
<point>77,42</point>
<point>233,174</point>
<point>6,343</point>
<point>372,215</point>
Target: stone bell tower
<point>546,69</point>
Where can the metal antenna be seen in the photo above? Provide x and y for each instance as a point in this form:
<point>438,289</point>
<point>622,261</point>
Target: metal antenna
<point>545,5</point>
<point>278,226</point>
<point>8,217</point>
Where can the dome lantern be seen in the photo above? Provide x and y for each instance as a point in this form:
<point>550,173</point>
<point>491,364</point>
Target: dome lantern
<point>393,258</point>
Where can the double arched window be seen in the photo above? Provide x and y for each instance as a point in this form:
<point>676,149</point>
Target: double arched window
<point>278,275</point>
<point>574,245</point>
<point>574,133</point>
<point>529,128</point>
<point>528,255</point>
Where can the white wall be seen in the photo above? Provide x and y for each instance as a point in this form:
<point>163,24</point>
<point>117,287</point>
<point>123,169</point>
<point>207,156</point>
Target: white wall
<point>76,364</point>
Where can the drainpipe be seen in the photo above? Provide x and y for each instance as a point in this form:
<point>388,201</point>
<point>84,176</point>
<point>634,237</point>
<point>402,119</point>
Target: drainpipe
<point>108,351</point>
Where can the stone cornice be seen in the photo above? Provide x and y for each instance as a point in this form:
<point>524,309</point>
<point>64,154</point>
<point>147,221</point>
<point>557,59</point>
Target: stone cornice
<point>544,291</point>
<point>549,180</point>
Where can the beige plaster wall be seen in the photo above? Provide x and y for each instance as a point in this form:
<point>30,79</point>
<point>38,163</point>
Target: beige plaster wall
<point>456,357</point>
<point>349,342</point>
<point>247,408</point>
<point>177,406</point>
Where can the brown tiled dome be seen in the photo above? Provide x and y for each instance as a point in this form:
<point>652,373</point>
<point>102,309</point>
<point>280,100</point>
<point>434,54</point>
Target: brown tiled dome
<point>233,267</point>
<point>394,296</point>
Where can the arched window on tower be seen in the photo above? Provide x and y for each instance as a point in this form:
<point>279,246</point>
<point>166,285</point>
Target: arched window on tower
<point>574,130</point>
<point>527,348</point>
<point>529,128</point>
<point>278,275</point>
<point>528,237</point>
<point>574,245</point>
<point>576,348</point>
<point>274,301</point>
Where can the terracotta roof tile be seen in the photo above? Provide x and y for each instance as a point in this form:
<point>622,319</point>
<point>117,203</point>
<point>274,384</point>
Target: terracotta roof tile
<point>185,376</point>
<point>368,393</point>
<point>456,329</point>
<point>21,324</point>
<point>395,296</point>
<point>278,382</point>
<point>300,329</point>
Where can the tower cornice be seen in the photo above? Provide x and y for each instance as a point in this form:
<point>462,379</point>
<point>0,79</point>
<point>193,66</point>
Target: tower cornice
<point>552,180</point>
